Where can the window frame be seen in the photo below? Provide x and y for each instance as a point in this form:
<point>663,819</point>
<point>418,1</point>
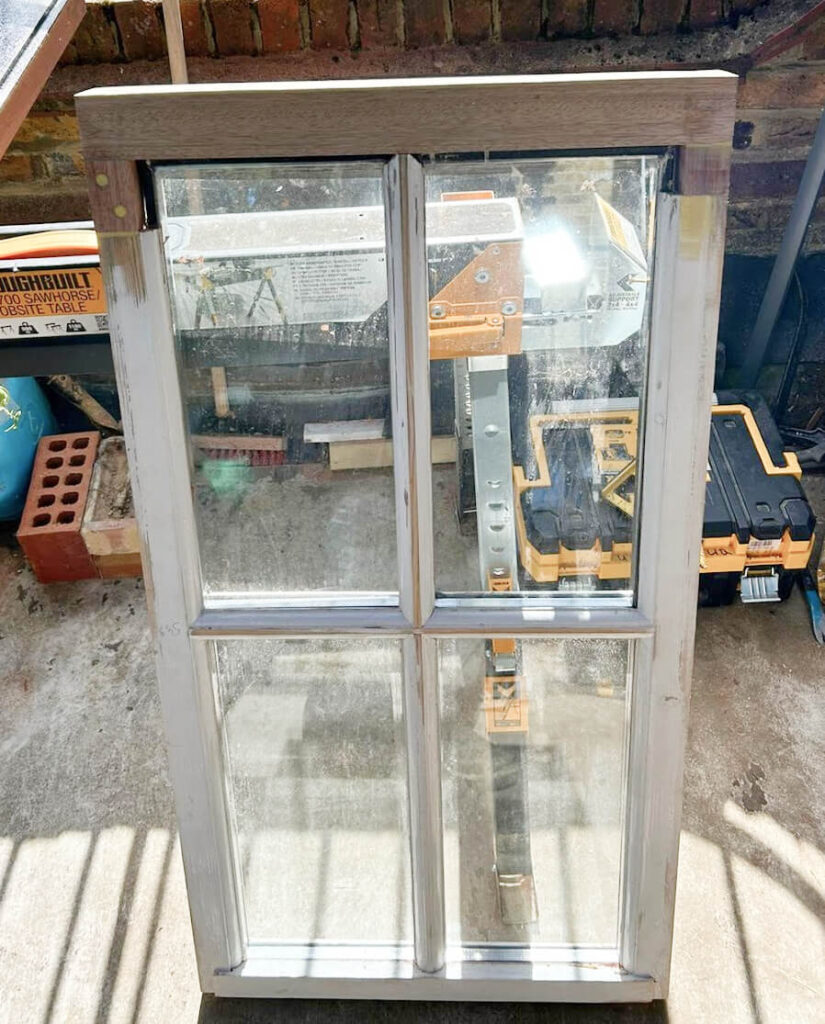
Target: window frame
<point>123,130</point>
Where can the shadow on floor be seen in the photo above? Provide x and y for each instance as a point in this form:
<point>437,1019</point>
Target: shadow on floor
<point>343,1011</point>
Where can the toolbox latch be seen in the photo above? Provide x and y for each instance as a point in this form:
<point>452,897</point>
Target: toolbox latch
<point>759,585</point>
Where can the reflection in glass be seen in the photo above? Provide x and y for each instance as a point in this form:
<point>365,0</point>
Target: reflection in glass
<point>538,300</point>
<point>279,292</point>
<point>533,736</point>
<point>316,771</point>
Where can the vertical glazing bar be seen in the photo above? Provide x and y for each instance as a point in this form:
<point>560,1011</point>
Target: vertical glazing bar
<point>424,774</point>
<point>143,349</point>
<point>687,277</point>
<point>410,376</point>
<point>410,373</point>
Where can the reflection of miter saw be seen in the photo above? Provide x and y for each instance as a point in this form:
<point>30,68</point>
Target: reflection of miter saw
<point>544,289</point>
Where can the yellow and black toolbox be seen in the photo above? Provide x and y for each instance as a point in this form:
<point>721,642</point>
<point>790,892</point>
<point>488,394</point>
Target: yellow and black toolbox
<point>759,528</point>
<point>574,483</point>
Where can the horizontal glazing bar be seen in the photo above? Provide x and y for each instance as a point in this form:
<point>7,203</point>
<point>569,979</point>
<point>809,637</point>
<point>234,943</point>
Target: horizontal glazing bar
<point>238,623</point>
<point>399,979</point>
<point>227,623</point>
<point>589,622</point>
<point>232,601</point>
<point>259,954</point>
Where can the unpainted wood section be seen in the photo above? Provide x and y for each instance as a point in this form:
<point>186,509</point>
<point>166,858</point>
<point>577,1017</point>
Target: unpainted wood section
<point>174,41</point>
<point>687,280</point>
<point>407,116</point>
<point>378,454</point>
<point>36,68</point>
<point>115,196</point>
<point>703,170</point>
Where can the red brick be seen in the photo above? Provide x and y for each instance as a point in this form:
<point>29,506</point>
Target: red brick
<point>141,32</point>
<point>193,22</point>
<point>662,16</point>
<point>379,23</point>
<point>58,164</point>
<point>232,25</point>
<point>95,40</point>
<point>566,17</point>
<point>69,55</point>
<point>45,129</point>
<point>280,25</point>
<point>704,13</point>
<point>425,24</point>
<point>49,531</point>
<point>472,20</point>
<point>44,203</point>
<point>765,180</point>
<point>16,167</point>
<point>328,21</point>
<point>775,90</point>
<point>615,17</point>
<point>520,19</point>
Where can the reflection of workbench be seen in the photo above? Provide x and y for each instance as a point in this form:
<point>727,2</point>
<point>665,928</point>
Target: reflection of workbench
<point>57,337</point>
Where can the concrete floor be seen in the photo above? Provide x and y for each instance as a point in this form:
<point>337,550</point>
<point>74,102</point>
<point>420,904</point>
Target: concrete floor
<point>93,917</point>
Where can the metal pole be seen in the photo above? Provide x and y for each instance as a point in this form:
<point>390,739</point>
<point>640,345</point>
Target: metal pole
<point>780,278</point>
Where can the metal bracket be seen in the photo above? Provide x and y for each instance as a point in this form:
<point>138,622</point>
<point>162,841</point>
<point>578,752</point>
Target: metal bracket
<point>493,464</point>
<point>759,585</point>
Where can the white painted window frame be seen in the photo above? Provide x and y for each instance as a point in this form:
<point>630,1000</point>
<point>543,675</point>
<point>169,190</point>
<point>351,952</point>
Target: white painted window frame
<point>120,129</point>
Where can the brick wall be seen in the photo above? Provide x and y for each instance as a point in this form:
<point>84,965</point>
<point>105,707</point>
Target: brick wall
<point>777,46</point>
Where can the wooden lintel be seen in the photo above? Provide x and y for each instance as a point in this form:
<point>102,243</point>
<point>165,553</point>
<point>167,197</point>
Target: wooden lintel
<point>703,170</point>
<point>422,115</point>
<point>115,196</point>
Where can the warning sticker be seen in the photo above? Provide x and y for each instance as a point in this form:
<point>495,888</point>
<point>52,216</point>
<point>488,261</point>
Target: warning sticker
<point>46,303</point>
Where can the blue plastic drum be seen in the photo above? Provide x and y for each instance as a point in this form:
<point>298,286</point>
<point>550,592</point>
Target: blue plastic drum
<point>25,417</point>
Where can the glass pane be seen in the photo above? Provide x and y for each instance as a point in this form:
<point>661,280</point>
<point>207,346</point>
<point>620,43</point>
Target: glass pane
<point>22,21</point>
<point>534,741</point>
<point>279,290</point>
<point>539,286</point>
<point>316,771</point>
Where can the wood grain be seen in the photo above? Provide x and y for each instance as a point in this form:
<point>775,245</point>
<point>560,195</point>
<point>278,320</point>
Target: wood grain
<point>115,196</point>
<point>703,170</point>
<point>378,454</point>
<point>306,119</point>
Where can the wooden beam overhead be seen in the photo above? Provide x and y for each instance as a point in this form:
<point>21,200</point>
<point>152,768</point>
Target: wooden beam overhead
<point>472,114</point>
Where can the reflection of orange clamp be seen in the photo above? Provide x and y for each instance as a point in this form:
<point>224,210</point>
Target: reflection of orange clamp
<point>610,492</point>
<point>505,710</point>
<point>499,583</point>
<point>479,313</point>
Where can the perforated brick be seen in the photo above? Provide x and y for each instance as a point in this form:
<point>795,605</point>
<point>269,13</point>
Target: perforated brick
<point>49,531</point>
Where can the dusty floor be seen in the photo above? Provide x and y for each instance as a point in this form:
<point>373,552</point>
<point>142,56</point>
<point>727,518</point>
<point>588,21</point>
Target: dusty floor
<point>93,919</point>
